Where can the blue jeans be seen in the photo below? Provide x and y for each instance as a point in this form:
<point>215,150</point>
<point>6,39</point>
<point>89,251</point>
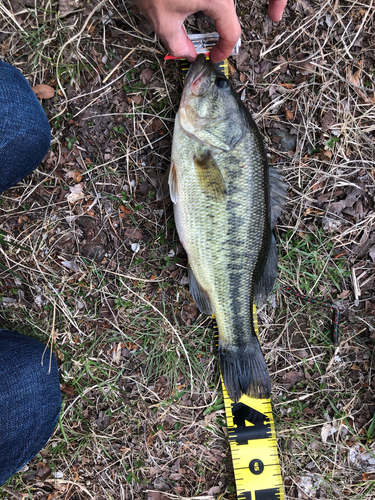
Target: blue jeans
<point>25,135</point>
<point>30,398</point>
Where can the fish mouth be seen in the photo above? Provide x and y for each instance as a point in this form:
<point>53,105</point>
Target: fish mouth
<point>198,79</point>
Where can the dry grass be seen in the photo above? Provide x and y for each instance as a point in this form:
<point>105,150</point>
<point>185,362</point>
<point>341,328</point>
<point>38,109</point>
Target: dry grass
<point>142,401</point>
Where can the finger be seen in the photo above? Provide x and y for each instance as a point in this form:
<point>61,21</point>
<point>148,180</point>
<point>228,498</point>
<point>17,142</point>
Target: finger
<point>178,43</point>
<point>228,27</point>
<point>276,9</point>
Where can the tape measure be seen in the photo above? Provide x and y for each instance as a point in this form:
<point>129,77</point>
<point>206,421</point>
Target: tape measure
<point>222,66</point>
<point>251,428</point>
<point>252,438</point>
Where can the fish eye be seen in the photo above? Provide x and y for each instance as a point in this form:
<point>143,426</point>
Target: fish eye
<point>221,82</point>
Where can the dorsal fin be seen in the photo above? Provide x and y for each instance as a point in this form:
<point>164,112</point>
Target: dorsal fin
<point>265,277</point>
<point>278,192</point>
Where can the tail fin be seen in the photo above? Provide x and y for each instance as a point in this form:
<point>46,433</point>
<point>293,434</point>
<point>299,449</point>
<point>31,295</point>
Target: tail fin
<point>245,371</point>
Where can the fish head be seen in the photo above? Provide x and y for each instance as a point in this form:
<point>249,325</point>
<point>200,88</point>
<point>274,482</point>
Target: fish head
<point>209,111</point>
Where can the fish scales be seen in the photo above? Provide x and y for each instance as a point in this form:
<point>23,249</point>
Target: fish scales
<point>223,240</point>
<point>219,183</point>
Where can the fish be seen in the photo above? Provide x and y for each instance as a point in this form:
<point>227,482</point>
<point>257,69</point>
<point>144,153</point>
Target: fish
<point>226,200</point>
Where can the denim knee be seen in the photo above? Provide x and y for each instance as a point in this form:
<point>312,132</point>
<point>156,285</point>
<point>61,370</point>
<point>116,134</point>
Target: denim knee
<point>25,135</point>
<point>30,400</point>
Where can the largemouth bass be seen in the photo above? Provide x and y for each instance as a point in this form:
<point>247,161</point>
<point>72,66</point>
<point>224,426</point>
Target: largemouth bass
<point>226,202</point>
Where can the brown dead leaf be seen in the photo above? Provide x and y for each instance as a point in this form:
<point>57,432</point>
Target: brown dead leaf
<point>125,210</point>
<point>352,196</point>
<point>133,234</point>
<point>231,68</point>
<point>327,430</point>
<point>43,91</point>
<point>154,470</point>
<point>145,76</point>
<point>157,495</point>
<point>50,160</point>
<point>355,80</point>
<point>289,115</point>
<point>292,378</point>
<point>305,67</point>
<point>75,175</point>
<point>283,64</point>
<point>189,313</point>
<point>312,211</point>
<point>5,46</point>
<point>43,470</point>
<point>327,153</point>
<point>372,253</point>
<point>91,29</point>
<point>343,294</point>
<point>66,7</point>
<point>327,121</point>
<point>175,476</point>
<point>137,99</point>
<point>215,490</point>
<point>242,60</point>
<point>243,77</point>
<point>69,390</point>
<point>156,124</point>
<point>75,194</point>
<point>308,411</point>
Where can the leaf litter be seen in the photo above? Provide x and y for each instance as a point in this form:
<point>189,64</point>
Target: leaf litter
<point>134,426</point>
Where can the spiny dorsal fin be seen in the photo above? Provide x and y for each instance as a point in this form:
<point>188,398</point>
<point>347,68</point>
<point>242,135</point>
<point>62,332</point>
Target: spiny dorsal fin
<point>265,278</point>
<point>209,176</point>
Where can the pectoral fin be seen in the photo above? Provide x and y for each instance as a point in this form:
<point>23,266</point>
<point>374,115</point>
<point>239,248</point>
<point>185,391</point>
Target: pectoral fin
<point>163,190</point>
<point>168,184</point>
<point>172,181</point>
<point>209,175</point>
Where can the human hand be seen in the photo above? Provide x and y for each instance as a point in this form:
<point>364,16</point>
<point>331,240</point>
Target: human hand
<point>167,17</point>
